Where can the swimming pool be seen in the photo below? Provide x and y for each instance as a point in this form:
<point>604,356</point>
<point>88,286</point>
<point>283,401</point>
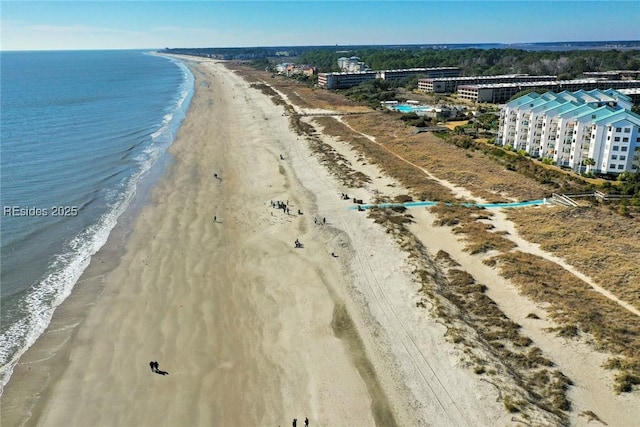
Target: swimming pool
<point>404,108</point>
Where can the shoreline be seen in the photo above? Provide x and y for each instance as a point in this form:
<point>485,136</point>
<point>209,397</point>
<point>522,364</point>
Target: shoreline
<point>88,356</point>
<point>109,229</point>
<point>251,329</point>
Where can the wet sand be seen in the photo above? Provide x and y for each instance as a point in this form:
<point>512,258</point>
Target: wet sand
<point>240,319</point>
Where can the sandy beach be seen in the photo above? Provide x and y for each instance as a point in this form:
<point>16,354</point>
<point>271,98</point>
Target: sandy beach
<point>251,329</point>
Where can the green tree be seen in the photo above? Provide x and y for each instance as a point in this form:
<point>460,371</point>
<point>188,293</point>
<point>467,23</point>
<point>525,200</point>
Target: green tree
<point>588,163</point>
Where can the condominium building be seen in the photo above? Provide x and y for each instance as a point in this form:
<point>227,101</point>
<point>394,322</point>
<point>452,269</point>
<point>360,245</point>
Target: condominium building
<point>501,92</point>
<point>614,74</point>
<point>571,127</point>
<point>450,84</point>
<point>344,80</point>
<point>347,80</point>
<point>352,65</point>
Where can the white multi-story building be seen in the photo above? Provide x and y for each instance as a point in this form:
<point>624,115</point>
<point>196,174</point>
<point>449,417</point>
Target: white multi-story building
<point>572,127</point>
<point>351,65</point>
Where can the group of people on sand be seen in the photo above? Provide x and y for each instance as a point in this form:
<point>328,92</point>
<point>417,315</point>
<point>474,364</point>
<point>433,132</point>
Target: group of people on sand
<point>317,221</point>
<point>283,205</point>
<point>155,367</point>
<point>295,422</point>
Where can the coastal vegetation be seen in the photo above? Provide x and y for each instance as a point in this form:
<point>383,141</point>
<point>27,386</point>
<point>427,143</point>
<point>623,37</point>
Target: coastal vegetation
<point>483,62</point>
<point>600,250</point>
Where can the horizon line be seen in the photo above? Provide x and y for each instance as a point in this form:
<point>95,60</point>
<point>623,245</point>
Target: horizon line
<point>329,45</point>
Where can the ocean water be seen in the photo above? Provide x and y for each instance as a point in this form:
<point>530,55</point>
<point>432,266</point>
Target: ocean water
<point>79,130</point>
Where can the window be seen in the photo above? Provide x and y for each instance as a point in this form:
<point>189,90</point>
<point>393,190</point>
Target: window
<point>623,148</point>
<point>620,166</point>
<point>625,139</point>
<point>634,166</point>
<point>616,139</point>
<point>623,157</point>
<point>616,148</point>
<point>609,138</point>
<point>627,130</point>
<point>614,157</point>
<point>618,129</point>
<point>612,166</point>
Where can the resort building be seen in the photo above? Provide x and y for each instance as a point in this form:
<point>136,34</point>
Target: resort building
<point>347,80</point>
<point>614,74</point>
<point>501,92</point>
<point>450,84</point>
<point>633,93</point>
<point>352,65</point>
<point>290,69</point>
<point>344,80</point>
<point>592,131</point>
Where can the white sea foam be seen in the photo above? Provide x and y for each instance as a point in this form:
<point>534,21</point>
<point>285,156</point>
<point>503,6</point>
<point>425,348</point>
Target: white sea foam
<point>44,297</point>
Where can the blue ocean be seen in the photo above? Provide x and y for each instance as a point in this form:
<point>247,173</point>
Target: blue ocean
<point>79,131</point>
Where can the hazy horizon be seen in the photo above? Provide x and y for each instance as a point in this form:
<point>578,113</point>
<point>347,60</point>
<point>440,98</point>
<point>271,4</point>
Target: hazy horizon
<point>117,25</point>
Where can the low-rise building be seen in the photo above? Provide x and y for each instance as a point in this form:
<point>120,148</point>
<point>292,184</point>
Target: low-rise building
<point>501,92</point>
<point>614,74</point>
<point>346,80</point>
<point>290,69</point>
<point>450,84</point>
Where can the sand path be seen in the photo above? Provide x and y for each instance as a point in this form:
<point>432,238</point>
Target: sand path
<point>501,223</point>
<point>578,360</point>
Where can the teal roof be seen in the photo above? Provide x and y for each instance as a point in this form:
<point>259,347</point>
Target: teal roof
<point>614,93</point>
<point>561,106</point>
<point>577,110</point>
<point>626,116</point>
<point>548,105</point>
<point>597,113</point>
<point>525,99</point>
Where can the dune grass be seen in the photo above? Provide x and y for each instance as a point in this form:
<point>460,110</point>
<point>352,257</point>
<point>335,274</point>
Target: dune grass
<point>573,304</point>
<point>599,243</point>
<point>494,345</point>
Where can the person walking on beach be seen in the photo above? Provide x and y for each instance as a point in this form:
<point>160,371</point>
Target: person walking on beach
<point>152,365</point>
<point>295,422</point>
<point>306,422</point>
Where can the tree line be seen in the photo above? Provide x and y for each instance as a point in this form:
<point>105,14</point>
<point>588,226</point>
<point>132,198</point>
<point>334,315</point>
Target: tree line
<point>479,62</point>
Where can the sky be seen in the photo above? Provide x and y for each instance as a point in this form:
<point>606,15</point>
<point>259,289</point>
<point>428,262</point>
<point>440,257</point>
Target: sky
<point>73,25</point>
